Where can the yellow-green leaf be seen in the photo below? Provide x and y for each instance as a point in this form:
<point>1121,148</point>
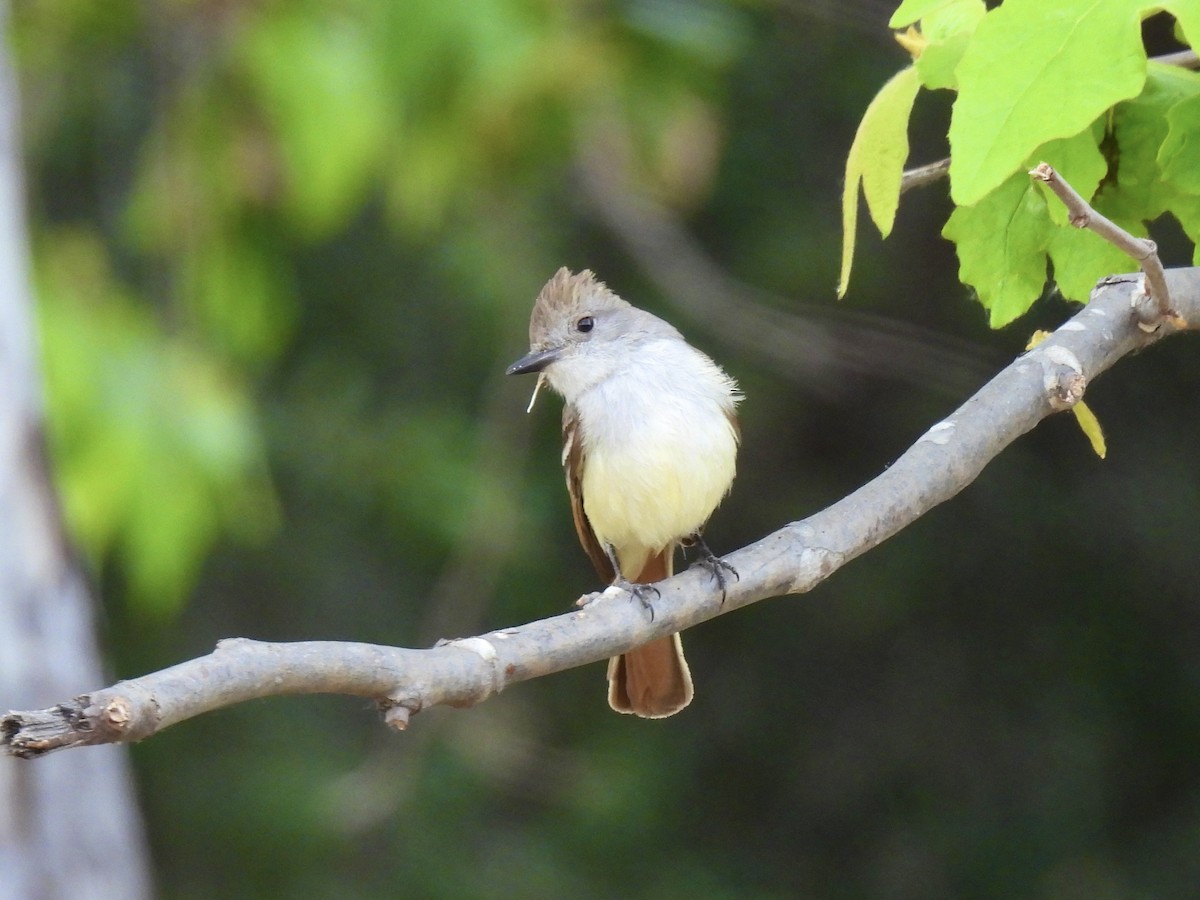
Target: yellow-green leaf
<point>1001,243</point>
<point>911,11</point>
<point>1091,428</point>
<point>1007,107</point>
<point>947,32</point>
<point>876,160</point>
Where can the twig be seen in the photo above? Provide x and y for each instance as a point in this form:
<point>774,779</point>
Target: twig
<point>943,461</point>
<point>1143,251</point>
<point>923,175</point>
<point>1185,59</point>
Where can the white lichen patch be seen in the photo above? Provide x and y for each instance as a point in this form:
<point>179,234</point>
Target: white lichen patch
<point>1061,356</point>
<point>939,434</point>
<point>484,649</point>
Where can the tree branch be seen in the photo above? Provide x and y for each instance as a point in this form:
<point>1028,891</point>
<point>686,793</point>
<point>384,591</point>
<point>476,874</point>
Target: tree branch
<point>1143,251</point>
<point>792,560</point>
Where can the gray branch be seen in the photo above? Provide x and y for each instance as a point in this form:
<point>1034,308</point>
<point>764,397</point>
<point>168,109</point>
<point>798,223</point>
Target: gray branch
<point>792,560</point>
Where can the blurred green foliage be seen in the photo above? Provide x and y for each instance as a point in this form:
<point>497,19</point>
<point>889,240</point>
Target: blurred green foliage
<point>157,443</point>
<point>283,252</point>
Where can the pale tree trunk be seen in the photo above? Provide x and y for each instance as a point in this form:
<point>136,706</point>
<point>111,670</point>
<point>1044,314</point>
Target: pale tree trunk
<point>69,825</point>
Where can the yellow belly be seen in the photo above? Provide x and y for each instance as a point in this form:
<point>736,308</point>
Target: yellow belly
<point>650,493</point>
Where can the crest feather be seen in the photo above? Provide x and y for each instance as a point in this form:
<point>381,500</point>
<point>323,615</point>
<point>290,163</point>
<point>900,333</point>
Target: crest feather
<point>565,295</point>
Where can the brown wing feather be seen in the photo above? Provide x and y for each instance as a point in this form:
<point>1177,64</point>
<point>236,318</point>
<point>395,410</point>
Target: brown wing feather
<point>573,467</point>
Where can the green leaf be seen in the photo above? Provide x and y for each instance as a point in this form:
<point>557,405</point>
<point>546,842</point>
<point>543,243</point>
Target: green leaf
<point>876,160</point>
<point>1001,243</point>
<point>1179,155</point>
<point>911,11</point>
<point>1187,16</point>
<point>880,156</point>
<point>938,61</point>
<point>947,31</point>
<point>1037,71</point>
<point>1081,258</point>
<point>1140,127</point>
<point>952,19</point>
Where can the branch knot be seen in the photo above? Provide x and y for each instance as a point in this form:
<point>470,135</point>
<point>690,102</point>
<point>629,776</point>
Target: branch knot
<point>1063,378</point>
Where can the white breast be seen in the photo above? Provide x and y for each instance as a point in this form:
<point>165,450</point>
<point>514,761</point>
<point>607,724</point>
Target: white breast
<point>659,448</point>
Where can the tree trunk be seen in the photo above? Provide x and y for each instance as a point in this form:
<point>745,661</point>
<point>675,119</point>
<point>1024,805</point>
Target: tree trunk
<point>69,826</point>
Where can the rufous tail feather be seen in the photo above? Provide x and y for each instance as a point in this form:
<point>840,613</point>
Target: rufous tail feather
<point>652,681</point>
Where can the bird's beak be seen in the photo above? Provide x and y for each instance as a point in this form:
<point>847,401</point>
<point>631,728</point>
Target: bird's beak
<point>534,361</point>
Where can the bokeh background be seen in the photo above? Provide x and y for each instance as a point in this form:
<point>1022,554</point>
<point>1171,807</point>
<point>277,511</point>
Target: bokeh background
<point>283,252</point>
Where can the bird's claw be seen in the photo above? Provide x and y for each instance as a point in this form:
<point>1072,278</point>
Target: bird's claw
<point>716,566</point>
<point>643,593</point>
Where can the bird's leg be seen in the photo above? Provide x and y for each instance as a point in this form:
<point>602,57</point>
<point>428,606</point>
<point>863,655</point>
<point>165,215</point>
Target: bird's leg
<point>715,565</point>
<point>642,592</point>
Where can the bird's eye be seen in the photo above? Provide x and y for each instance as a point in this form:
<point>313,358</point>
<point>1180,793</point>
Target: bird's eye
<point>586,324</point>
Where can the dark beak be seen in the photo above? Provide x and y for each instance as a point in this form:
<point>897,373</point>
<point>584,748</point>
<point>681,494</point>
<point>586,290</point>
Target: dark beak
<point>534,361</point>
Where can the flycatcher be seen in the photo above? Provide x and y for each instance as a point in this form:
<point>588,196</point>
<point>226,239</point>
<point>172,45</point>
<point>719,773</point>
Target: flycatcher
<point>650,439</point>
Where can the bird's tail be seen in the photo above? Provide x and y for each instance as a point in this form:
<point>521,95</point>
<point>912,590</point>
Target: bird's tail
<point>651,681</point>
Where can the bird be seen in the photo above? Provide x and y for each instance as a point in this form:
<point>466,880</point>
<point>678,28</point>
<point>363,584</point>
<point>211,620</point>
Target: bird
<point>650,439</point>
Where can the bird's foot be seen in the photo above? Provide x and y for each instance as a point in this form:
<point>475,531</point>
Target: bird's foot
<point>716,566</point>
<point>643,593</point>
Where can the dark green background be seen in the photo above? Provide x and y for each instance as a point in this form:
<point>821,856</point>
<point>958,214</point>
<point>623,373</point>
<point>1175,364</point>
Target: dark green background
<point>999,702</point>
